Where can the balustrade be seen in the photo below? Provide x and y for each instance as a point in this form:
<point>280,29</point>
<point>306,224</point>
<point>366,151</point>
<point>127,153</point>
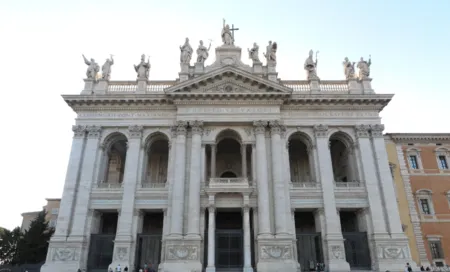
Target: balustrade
<point>228,182</point>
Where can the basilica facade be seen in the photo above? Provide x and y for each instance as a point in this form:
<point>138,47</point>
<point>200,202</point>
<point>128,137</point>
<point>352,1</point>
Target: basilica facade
<point>228,168</point>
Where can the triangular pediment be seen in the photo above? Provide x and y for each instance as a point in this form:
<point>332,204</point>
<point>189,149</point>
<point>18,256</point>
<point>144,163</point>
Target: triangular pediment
<point>228,80</point>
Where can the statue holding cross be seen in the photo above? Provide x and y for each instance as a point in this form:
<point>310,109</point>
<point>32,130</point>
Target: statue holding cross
<point>228,34</point>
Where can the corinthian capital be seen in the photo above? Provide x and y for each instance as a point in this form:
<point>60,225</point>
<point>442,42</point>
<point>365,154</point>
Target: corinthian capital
<point>196,127</point>
<point>260,126</point>
<point>362,131</point>
<point>79,131</point>
<point>320,130</point>
<point>377,130</point>
<point>181,127</point>
<point>135,131</point>
<point>94,131</point>
<point>276,127</point>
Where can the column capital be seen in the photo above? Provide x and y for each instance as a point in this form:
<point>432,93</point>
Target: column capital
<point>173,131</point>
<point>196,127</point>
<point>260,126</point>
<point>246,209</point>
<point>243,147</point>
<point>135,131</point>
<point>376,130</point>
<point>320,131</point>
<point>79,131</point>
<point>211,209</point>
<point>276,127</point>
<point>362,131</point>
<point>94,131</point>
<point>181,127</point>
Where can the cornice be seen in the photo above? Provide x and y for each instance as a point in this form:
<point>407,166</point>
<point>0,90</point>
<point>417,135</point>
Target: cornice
<point>419,137</point>
<point>273,101</point>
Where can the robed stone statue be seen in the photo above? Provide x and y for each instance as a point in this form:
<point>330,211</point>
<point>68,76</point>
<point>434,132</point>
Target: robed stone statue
<point>106,68</point>
<point>227,37</point>
<point>311,66</point>
<point>143,68</point>
<point>364,68</point>
<point>186,52</point>
<point>253,53</point>
<point>93,68</point>
<point>202,52</point>
<point>349,69</point>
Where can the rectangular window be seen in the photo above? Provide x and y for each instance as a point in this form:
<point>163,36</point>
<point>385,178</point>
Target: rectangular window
<point>443,162</point>
<point>52,223</point>
<point>436,250</point>
<point>413,162</point>
<point>55,211</point>
<point>425,206</point>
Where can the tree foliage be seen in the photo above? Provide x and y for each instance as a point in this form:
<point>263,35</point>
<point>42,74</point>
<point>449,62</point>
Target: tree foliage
<point>28,247</point>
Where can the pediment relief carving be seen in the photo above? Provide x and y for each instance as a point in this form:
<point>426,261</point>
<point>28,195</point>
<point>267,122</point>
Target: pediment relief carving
<point>232,86</point>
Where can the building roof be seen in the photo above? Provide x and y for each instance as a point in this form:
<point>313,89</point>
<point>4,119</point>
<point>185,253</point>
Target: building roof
<point>419,137</point>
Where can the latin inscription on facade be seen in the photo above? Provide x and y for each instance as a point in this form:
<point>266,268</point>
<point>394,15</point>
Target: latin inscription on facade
<point>229,110</point>
<point>121,115</point>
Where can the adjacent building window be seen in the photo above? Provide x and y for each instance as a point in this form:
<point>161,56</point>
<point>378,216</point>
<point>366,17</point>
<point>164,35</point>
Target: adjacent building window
<point>55,211</point>
<point>425,202</point>
<point>442,162</point>
<point>436,250</point>
<point>413,162</point>
<point>52,223</point>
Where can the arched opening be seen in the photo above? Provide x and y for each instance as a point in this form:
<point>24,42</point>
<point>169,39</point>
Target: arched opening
<point>156,162</point>
<point>301,160</point>
<point>228,157</point>
<point>228,174</point>
<point>114,157</point>
<point>343,158</point>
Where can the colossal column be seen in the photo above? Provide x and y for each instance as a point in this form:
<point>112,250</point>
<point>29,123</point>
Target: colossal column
<point>262,180</point>
<point>278,182</point>
<point>333,234</point>
<point>247,245</point>
<point>176,228</point>
<point>211,241</point>
<point>124,236</point>
<point>193,231</point>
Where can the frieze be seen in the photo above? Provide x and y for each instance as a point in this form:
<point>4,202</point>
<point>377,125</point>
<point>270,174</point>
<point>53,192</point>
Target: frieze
<point>122,115</point>
<point>228,110</point>
<point>182,253</point>
<point>327,113</point>
<point>393,252</point>
<point>65,254</point>
<point>276,252</point>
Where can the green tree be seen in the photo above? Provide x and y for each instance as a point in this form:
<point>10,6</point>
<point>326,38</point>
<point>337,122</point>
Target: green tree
<point>9,241</point>
<point>33,246</point>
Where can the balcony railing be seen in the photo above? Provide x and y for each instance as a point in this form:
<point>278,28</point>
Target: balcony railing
<point>228,183</point>
<point>151,185</point>
<point>305,184</point>
<point>107,185</point>
<point>348,184</point>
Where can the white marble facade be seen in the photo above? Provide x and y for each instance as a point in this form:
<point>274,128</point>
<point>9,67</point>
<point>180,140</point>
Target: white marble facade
<point>156,146</point>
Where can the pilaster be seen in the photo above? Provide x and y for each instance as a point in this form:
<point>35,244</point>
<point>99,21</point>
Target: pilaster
<point>247,245</point>
<point>125,235</point>
<point>332,229</point>
<point>102,86</point>
<point>211,242</point>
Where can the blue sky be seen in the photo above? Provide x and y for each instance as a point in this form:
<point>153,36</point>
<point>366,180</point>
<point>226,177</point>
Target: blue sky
<point>42,42</point>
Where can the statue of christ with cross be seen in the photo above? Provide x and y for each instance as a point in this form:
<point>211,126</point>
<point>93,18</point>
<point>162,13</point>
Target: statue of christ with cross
<point>228,34</point>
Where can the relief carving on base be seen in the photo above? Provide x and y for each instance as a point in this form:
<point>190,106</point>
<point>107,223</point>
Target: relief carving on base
<point>337,253</point>
<point>65,254</point>
<point>393,252</point>
<point>276,252</point>
<point>182,253</point>
<point>121,253</point>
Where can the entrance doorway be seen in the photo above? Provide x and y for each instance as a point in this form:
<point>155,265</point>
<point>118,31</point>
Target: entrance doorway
<point>229,241</point>
<point>149,240</point>
<point>356,245</point>
<point>101,246</point>
<point>309,241</point>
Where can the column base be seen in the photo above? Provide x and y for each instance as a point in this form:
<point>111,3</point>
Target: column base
<point>182,255</point>
<point>336,254</point>
<point>65,256</point>
<point>210,269</point>
<point>391,254</point>
<point>276,255</point>
<point>248,269</point>
<point>122,255</point>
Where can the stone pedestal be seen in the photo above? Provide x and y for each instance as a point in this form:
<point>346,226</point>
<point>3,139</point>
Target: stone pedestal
<point>101,87</point>
<point>64,256</point>
<point>276,255</point>
<point>257,68</point>
<point>141,86</point>
<point>272,74</point>
<point>184,72</point>
<point>353,86</point>
<point>392,254</point>
<point>182,255</point>
<point>367,86</point>
<point>88,86</point>
<point>199,69</point>
<point>314,85</point>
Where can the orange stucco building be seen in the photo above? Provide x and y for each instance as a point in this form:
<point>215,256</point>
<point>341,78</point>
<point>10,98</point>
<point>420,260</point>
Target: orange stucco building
<point>422,168</point>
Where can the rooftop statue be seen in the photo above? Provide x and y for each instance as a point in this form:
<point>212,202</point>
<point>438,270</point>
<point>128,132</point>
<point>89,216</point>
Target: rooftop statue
<point>349,69</point>
<point>253,53</point>
<point>271,52</point>
<point>143,68</point>
<point>227,34</point>
<point>311,66</point>
<point>186,52</point>
<point>364,68</point>
<point>93,68</point>
<point>202,52</point>
<point>106,68</point>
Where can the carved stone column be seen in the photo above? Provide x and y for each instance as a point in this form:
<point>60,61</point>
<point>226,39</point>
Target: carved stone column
<point>332,229</point>
<point>213,160</point>
<point>211,239</point>
<point>85,184</point>
<point>125,235</point>
<point>279,183</point>
<point>247,245</point>
<point>262,178</point>
<point>176,230</point>
<point>72,177</point>
<point>244,160</point>
<point>370,178</point>
<point>254,164</point>
<point>193,231</point>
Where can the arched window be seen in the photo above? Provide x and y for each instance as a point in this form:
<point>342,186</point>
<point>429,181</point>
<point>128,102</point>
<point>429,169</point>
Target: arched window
<point>156,161</point>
